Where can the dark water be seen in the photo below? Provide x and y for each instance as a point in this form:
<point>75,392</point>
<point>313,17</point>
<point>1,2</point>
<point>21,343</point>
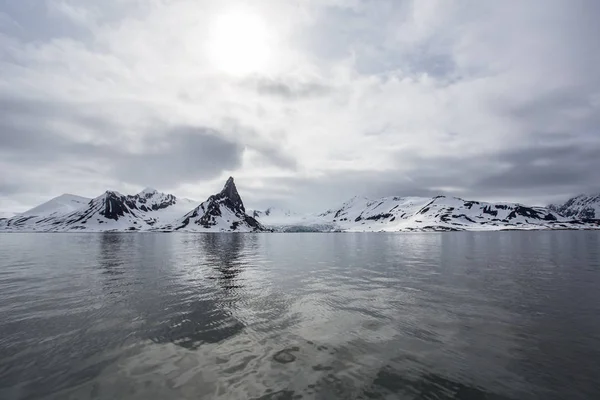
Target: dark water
<point>498,315</point>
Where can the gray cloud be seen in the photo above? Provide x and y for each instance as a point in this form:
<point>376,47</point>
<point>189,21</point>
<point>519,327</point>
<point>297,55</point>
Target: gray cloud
<point>165,156</point>
<point>569,168</point>
<point>8,188</point>
<point>190,154</point>
<point>526,175</point>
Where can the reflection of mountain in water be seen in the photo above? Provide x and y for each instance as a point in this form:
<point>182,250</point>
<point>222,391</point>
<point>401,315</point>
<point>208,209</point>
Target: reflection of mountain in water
<point>110,257</point>
<point>198,312</point>
<point>225,255</point>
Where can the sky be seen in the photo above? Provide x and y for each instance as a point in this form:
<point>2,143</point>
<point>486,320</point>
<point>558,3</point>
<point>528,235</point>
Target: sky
<point>305,102</point>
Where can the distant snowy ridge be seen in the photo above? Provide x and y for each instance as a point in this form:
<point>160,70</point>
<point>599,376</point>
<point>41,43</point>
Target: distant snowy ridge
<point>441,213</point>
<point>580,207</point>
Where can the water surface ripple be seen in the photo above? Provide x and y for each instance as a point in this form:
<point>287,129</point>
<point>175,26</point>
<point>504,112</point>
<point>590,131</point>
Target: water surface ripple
<point>465,315</point>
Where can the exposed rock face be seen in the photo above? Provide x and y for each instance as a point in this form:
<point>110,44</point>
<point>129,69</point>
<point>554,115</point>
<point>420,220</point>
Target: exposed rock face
<point>116,205</point>
<point>223,211</point>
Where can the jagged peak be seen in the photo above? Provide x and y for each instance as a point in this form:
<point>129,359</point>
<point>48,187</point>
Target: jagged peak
<point>230,192</point>
<point>229,187</point>
<point>224,210</point>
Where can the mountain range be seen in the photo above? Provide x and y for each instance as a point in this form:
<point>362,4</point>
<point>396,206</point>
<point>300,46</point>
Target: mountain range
<point>151,210</point>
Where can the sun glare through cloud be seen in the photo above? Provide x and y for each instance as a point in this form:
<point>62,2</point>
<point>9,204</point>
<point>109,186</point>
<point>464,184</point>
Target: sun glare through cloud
<point>239,42</point>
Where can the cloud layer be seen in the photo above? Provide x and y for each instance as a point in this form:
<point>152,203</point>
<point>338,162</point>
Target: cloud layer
<point>487,100</point>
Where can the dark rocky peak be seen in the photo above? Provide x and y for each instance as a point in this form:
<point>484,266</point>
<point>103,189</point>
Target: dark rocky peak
<point>210,213</point>
<point>230,197</point>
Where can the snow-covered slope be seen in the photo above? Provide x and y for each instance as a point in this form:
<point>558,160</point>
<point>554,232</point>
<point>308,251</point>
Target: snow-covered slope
<point>580,207</point>
<point>440,213</point>
<point>62,204</point>
<point>223,211</point>
<point>432,214</point>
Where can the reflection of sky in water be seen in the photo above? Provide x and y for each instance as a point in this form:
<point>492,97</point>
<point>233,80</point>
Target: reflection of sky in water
<point>459,315</point>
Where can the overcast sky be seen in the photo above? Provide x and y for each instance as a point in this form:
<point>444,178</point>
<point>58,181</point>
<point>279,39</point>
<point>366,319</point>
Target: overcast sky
<point>305,102</point>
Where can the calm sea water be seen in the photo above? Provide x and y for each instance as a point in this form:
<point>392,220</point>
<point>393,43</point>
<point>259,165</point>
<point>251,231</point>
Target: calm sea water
<point>498,315</point>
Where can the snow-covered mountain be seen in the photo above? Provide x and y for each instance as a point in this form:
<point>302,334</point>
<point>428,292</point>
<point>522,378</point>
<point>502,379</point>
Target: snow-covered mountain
<point>223,211</point>
<point>439,213</point>
<point>107,212</point>
<point>580,207</point>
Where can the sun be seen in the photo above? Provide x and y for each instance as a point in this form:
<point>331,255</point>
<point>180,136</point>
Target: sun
<point>238,43</point>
